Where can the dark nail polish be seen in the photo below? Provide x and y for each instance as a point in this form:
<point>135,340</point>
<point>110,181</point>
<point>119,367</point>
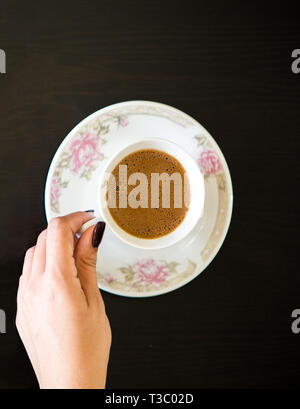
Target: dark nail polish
<point>89,211</point>
<point>98,234</point>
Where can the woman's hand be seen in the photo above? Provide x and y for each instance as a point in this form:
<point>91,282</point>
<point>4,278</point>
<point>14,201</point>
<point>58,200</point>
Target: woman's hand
<point>61,316</point>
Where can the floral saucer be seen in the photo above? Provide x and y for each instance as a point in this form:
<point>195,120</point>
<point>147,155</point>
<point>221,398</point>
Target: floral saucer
<point>74,173</point>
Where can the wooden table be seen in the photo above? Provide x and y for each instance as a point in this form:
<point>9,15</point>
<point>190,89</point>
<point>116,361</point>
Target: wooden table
<point>230,68</point>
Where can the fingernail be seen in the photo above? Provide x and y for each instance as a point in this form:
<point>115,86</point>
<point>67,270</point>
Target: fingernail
<point>98,234</point>
<point>89,211</point>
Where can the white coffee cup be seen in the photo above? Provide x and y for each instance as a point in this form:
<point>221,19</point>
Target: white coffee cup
<point>193,214</point>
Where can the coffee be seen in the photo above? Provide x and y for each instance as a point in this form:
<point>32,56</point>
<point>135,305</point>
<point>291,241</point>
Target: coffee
<point>156,205</point>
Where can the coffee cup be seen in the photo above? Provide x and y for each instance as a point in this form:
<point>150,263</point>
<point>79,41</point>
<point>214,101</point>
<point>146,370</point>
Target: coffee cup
<point>196,196</point>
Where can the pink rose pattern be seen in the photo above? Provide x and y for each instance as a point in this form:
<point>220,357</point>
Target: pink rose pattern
<point>150,272</point>
<point>84,150</point>
<point>209,162</point>
<point>123,121</point>
<point>108,278</point>
<point>55,190</point>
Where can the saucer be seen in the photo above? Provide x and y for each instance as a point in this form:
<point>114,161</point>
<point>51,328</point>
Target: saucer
<point>72,182</point>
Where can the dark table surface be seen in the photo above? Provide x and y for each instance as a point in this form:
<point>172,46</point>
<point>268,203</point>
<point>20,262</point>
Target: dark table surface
<point>227,65</point>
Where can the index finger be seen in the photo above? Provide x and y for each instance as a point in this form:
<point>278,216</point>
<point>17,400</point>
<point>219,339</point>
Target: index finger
<point>61,237</point>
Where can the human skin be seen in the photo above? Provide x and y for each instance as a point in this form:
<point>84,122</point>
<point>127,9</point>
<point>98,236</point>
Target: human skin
<point>61,315</point>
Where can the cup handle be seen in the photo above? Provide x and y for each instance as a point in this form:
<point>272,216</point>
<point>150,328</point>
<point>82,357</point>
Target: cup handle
<point>88,224</point>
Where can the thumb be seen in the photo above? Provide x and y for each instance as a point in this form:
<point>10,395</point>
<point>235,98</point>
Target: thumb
<point>85,255</point>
